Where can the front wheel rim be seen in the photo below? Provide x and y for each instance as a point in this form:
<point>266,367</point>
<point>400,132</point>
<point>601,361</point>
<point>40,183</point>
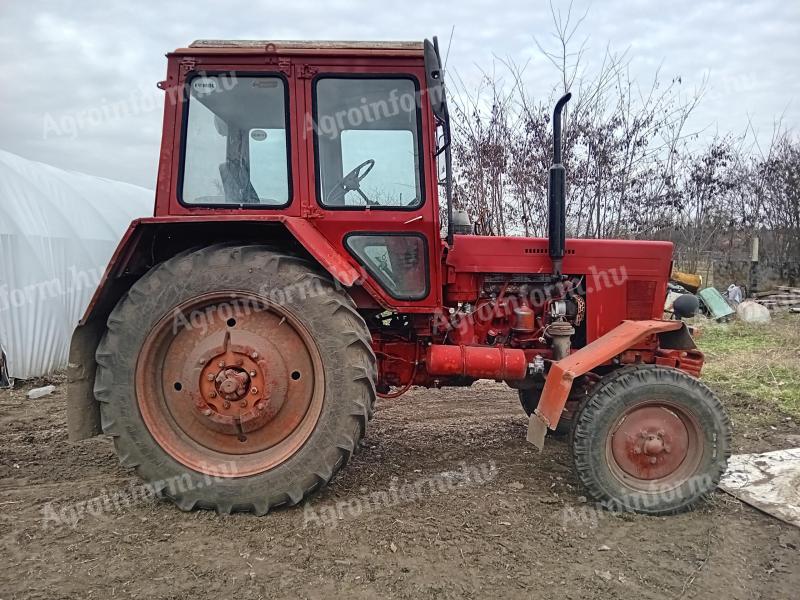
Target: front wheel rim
<point>655,446</point>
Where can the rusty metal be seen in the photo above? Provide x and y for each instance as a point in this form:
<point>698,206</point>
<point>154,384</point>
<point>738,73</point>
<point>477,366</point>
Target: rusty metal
<point>248,412</point>
<point>524,320</point>
<point>689,361</point>
<point>654,442</point>
<point>314,48</point>
<point>560,334</point>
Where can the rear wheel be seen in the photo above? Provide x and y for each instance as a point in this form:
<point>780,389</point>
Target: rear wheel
<point>652,440</point>
<point>235,378</point>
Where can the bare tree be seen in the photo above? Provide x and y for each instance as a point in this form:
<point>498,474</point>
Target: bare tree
<point>634,169</point>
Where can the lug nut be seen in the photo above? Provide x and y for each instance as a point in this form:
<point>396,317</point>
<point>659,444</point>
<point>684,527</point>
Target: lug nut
<point>212,395</point>
<point>254,355</point>
<point>254,390</point>
<point>210,377</point>
<point>220,364</point>
<point>260,406</point>
<point>252,373</point>
<point>226,404</point>
<point>243,404</point>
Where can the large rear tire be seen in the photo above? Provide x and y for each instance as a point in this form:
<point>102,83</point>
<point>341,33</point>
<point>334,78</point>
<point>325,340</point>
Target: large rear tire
<point>650,439</point>
<point>235,378</point>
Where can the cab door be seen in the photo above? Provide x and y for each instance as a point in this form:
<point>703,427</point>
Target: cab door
<point>371,183</point>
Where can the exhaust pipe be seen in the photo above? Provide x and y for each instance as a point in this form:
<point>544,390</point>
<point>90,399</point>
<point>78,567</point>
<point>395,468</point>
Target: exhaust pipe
<point>557,211</point>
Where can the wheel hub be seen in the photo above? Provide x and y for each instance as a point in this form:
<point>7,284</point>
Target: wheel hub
<point>232,383</point>
<point>239,389</point>
<point>650,442</point>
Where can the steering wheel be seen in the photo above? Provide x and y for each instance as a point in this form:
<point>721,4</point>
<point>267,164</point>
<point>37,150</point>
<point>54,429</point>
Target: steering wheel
<point>352,183</point>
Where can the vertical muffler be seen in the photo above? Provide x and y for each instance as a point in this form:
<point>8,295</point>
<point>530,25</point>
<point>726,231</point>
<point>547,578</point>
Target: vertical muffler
<point>557,211</point>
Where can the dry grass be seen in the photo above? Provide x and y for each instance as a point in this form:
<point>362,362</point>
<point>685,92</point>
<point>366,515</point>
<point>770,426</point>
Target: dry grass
<point>759,362</point>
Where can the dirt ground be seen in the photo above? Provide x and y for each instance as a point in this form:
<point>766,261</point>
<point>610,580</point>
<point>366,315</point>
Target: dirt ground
<point>517,524</point>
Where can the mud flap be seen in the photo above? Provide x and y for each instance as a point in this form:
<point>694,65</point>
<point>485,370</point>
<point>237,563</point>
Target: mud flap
<point>83,411</point>
<point>537,430</point>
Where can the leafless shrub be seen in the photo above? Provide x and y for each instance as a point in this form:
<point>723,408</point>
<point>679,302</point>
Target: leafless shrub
<point>634,169</point>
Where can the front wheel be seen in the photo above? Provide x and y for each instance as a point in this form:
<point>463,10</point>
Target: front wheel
<point>652,440</point>
<point>235,378</point>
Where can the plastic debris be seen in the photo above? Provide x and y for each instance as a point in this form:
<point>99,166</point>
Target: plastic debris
<point>716,305</point>
<point>751,311</point>
<point>41,392</point>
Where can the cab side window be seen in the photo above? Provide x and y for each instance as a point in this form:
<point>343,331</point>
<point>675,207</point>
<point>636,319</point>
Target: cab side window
<point>367,142</point>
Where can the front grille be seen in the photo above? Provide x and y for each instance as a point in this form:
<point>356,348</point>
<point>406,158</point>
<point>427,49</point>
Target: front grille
<point>640,298</point>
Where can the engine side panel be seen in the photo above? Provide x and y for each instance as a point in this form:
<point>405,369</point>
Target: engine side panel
<point>622,279</point>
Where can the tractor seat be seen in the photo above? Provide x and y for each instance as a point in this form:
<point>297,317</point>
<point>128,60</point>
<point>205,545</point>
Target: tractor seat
<point>236,183</point>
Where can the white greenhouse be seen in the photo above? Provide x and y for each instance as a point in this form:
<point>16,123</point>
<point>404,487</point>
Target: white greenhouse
<point>58,230</point>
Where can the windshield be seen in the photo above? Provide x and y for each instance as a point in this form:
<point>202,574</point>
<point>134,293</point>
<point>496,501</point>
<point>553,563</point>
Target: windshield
<point>367,141</point>
<point>236,148</point>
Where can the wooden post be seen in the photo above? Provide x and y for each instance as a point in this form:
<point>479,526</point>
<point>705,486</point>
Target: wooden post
<point>753,266</point>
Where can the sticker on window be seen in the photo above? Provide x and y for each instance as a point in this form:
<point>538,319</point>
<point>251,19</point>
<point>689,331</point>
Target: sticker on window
<point>204,85</point>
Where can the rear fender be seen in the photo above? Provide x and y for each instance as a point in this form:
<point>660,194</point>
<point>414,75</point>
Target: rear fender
<point>563,372</point>
<point>148,242</point>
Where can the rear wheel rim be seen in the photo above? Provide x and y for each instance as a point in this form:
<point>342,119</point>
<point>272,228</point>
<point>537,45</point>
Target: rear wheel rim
<point>230,384</point>
<point>655,446</point>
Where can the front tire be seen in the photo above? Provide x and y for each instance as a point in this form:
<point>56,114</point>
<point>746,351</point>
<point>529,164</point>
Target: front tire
<point>650,439</point>
<point>235,378</point>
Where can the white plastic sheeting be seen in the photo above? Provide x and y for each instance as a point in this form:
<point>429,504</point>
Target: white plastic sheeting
<point>58,230</point>
<point>769,481</point>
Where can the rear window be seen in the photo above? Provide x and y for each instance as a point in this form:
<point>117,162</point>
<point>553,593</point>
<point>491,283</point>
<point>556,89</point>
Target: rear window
<point>236,143</point>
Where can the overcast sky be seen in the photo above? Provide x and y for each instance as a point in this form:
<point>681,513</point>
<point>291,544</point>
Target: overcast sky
<point>64,58</point>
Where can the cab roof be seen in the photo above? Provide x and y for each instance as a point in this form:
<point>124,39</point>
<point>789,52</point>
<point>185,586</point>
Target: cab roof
<point>394,48</point>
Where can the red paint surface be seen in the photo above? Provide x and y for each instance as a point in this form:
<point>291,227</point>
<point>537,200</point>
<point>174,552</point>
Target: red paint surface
<point>479,362</point>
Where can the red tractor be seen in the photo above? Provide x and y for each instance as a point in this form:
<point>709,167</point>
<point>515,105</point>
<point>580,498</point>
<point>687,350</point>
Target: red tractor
<point>294,270</point>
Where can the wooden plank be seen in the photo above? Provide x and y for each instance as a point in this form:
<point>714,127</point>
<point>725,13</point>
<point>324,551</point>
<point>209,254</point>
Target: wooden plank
<point>307,44</point>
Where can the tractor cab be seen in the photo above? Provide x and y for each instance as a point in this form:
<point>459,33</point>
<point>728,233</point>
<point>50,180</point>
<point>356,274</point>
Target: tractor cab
<point>341,134</point>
